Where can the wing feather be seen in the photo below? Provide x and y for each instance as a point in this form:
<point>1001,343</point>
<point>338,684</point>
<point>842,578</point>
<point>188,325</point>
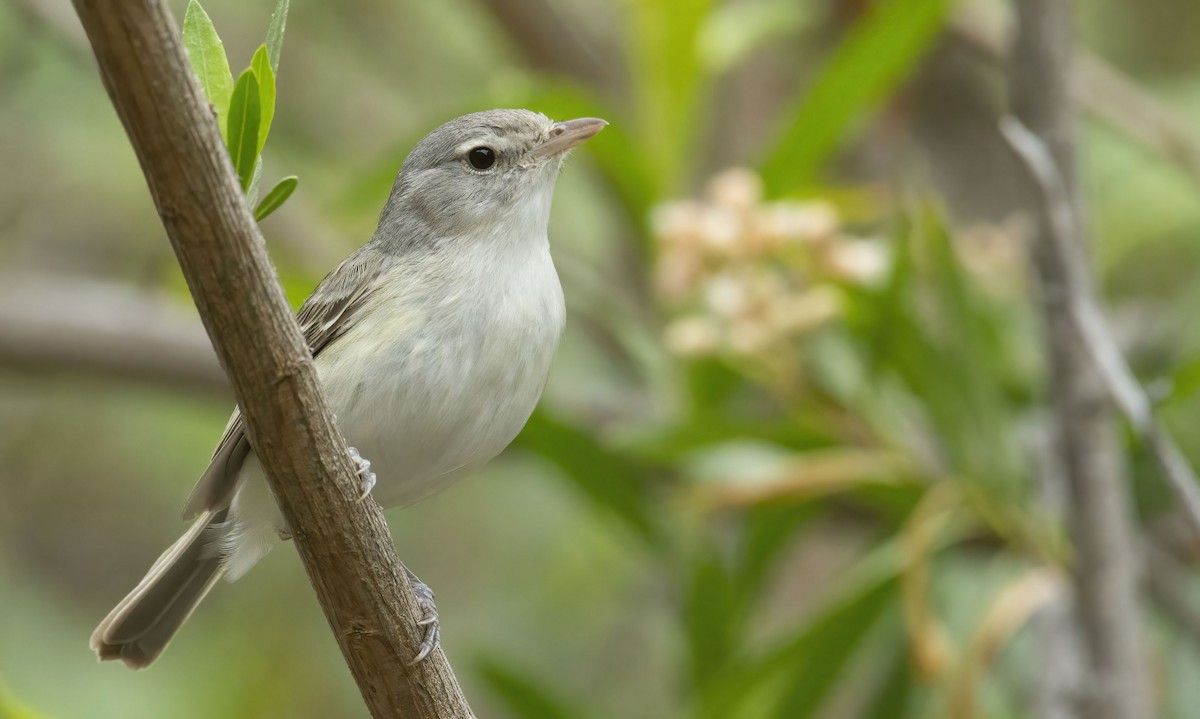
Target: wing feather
<point>325,316</point>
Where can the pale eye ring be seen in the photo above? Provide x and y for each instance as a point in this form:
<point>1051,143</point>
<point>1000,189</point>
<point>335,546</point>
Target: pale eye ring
<point>482,157</point>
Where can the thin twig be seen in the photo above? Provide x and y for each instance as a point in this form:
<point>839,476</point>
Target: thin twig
<point>343,542</point>
<point>1118,378</point>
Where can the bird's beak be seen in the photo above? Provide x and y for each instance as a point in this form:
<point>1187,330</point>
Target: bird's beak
<point>565,135</point>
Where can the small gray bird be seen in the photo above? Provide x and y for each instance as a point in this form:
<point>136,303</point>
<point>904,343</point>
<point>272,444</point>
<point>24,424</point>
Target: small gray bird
<point>432,342</point>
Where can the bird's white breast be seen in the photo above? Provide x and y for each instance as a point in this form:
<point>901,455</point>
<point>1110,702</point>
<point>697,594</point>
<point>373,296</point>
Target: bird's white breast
<point>441,372</point>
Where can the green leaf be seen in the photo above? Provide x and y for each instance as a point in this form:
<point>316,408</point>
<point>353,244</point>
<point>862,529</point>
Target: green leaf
<point>822,656</point>
<point>667,86</point>
<point>261,66</point>
<point>276,197</point>
<point>722,595</point>
<point>794,678</point>
<point>275,33</point>
<point>255,180</point>
<point>242,136</point>
<point>522,695</point>
<point>892,696</point>
<point>206,55</point>
<point>700,430</point>
<point>710,618</point>
<point>928,310</point>
<point>811,664</point>
<point>766,532</point>
<point>1184,383</point>
<point>613,481</point>
<point>880,51</point>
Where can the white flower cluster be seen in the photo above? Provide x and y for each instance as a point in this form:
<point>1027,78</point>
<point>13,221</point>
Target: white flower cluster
<point>744,275</point>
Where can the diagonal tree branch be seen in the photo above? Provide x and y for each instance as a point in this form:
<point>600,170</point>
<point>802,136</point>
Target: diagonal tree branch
<point>344,543</point>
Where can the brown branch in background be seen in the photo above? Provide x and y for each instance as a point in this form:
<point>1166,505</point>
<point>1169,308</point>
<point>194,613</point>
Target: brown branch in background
<point>1105,568</point>
<point>344,543</point>
<point>73,323</point>
<point>1056,689</point>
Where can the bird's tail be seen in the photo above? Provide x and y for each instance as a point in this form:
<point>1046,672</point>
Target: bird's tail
<point>139,628</point>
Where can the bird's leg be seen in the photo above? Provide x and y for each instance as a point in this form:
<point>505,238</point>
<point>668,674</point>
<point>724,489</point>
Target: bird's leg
<point>429,616</point>
<point>366,478</point>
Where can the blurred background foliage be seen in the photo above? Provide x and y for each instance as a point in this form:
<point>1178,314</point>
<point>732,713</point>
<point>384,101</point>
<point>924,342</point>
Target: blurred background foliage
<point>787,463</point>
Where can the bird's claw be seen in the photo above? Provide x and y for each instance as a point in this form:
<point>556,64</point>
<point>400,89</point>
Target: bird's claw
<point>366,478</point>
<point>429,618</point>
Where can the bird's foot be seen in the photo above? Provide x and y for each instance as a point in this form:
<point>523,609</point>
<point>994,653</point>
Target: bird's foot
<point>429,616</point>
<point>366,478</point>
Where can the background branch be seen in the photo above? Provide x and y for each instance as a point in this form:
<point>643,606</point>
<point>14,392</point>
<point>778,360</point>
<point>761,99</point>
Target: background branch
<point>1093,332</point>
<point>82,324</point>
<point>1105,566</point>
<point>344,543</point>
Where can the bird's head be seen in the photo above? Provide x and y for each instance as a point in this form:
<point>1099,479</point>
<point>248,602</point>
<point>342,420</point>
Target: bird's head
<point>485,171</point>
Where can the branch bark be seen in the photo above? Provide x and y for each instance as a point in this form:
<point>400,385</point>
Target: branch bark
<point>344,543</point>
<point>1105,569</point>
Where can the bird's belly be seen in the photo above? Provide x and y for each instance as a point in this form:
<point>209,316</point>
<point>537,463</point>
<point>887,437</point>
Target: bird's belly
<point>434,432</point>
<point>426,408</point>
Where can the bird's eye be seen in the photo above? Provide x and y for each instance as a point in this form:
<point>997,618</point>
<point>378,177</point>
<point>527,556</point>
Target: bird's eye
<point>481,158</point>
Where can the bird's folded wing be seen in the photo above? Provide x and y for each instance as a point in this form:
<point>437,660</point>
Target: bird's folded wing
<point>332,309</point>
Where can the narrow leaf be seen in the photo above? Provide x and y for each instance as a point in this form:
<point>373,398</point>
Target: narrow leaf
<point>255,180</point>
<point>892,696</point>
<point>1185,382</point>
<point>206,55</point>
<point>668,85</point>
<point>275,33</point>
<point>811,664</point>
<point>879,52</point>
<point>276,197</point>
<point>261,66</point>
<point>710,618</point>
<point>794,678</point>
<point>242,136</point>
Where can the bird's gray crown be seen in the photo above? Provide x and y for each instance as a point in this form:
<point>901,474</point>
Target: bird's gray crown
<point>511,133</point>
<point>488,174</point>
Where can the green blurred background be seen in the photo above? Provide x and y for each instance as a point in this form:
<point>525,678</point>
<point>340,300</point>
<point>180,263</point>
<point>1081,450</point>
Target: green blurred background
<point>787,464</point>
